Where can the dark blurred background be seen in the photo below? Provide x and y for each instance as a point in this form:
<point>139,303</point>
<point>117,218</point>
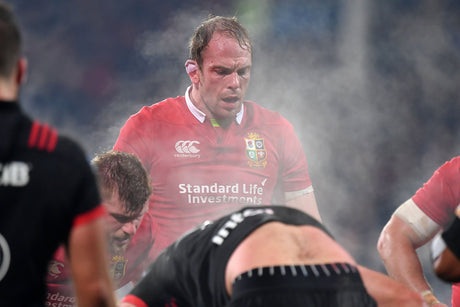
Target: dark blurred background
<point>372,87</point>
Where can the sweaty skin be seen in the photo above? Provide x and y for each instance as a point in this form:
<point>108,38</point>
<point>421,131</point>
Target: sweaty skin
<point>276,243</point>
<point>299,245</point>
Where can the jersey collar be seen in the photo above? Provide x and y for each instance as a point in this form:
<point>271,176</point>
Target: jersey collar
<point>200,115</point>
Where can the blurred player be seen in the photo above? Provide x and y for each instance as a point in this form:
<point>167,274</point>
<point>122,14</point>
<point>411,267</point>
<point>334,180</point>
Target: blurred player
<point>48,194</point>
<point>125,188</point>
<point>264,256</point>
<point>415,223</point>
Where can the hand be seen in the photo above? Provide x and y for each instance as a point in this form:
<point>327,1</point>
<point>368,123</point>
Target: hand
<point>431,300</point>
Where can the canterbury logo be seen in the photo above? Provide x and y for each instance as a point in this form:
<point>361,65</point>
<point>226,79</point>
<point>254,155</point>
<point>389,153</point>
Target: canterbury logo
<point>187,147</point>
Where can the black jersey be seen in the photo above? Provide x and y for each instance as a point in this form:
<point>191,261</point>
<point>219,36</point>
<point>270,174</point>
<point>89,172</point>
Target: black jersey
<point>191,271</point>
<point>46,188</point>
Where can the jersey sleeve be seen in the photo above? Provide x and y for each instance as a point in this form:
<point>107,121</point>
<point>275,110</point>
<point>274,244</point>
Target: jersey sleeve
<point>89,216</point>
<point>161,286</point>
<point>135,136</point>
<point>86,196</point>
<point>440,195</point>
<point>136,301</point>
<point>294,174</point>
<point>77,195</point>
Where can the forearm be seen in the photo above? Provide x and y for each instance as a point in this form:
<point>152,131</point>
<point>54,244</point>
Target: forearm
<point>87,254</point>
<point>306,203</point>
<point>397,247</point>
<point>388,292</point>
<point>403,265</point>
<point>402,235</point>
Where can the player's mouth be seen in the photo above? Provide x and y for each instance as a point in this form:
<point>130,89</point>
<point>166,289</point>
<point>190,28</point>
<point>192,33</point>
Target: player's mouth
<point>121,242</point>
<point>231,99</point>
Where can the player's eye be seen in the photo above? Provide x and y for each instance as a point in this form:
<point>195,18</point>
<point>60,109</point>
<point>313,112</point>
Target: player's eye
<point>243,72</point>
<point>122,219</point>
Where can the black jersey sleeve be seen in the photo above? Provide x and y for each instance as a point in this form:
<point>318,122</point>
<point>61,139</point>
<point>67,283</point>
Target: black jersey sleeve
<point>160,287</point>
<point>79,187</point>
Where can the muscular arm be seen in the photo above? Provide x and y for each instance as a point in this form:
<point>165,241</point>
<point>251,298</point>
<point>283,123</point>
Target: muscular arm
<point>305,203</point>
<point>397,246</point>
<point>87,255</point>
<point>388,292</point>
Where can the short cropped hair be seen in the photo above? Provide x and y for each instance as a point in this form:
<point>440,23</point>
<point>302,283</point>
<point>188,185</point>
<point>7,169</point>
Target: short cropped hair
<point>10,41</point>
<point>124,174</point>
<point>229,26</point>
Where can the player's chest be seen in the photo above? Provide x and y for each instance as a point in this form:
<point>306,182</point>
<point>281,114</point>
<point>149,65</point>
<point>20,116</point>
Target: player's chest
<point>251,148</point>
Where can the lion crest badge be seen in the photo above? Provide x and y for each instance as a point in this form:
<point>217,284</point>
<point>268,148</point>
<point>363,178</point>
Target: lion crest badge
<point>255,151</point>
<point>118,267</point>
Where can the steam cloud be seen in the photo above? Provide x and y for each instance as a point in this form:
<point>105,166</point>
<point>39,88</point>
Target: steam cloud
<point>371,88</point>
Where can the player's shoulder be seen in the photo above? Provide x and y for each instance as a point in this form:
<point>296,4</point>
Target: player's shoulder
<point>50,143</point>
<point>42,137</point>
<point>168,108</point>
<point>455,161</point>
<point>451,167</point>
<point>42,144</point>
<point>45,138</point>
<point>260,113</point>
<point>70,147</point>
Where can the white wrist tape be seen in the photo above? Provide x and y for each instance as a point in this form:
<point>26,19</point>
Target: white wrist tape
<point>423,225</point>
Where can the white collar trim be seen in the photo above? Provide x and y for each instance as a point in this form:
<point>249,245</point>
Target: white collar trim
<point>200,115</point>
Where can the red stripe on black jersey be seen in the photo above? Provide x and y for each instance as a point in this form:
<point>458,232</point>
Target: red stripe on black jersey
<point>42,137</point>
<point>52,140</point>
<point>172,303</point>
<point>33,134</point>
<point>89,216</point>
<point>134,300</point>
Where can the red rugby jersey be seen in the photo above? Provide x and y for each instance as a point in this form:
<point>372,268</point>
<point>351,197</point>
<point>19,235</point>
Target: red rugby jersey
<point>201,172</point>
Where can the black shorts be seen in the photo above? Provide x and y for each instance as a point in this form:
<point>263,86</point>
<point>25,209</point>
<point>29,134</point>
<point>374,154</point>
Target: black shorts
<point>335,284</point>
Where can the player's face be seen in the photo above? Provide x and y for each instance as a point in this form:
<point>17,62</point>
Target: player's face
<point>224,77</point>
<point>121,225</point>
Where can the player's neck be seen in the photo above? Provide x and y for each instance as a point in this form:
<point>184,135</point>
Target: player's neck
<point>7,92</point>
<point>221,123</point>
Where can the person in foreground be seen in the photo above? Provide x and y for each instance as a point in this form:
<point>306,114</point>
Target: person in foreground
<point>49,196</point>
<point>125,188</point>
<point>415,223</point>
<point>210,151</point>
<point>263,256</point>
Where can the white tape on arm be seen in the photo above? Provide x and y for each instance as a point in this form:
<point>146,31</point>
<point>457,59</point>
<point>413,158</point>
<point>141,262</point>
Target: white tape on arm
<point>421,223</point>
<point>293,195</point>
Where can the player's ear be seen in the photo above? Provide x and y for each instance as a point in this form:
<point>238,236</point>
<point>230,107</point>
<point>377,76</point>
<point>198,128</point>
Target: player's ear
<point>191,67</point>
<point>21,75</point>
